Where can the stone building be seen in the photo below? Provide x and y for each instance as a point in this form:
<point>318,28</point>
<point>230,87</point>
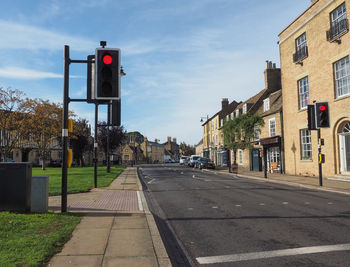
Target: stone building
<point>153,152</point>
<point>315,50</point>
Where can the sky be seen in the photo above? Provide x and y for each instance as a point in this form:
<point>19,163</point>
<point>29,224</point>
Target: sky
<point>180,57</point>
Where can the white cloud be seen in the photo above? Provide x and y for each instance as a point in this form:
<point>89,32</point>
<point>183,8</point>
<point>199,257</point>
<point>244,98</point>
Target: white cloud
<point>20,36</point>
<point>21,73</point>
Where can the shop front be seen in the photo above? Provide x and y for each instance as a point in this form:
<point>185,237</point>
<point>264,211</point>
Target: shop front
<point>272,154</point>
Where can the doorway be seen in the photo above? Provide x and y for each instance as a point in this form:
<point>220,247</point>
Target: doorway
<point>344,148</point>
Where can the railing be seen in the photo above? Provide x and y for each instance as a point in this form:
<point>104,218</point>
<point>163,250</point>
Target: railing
<point>300,54</point>
<point>337,29</point>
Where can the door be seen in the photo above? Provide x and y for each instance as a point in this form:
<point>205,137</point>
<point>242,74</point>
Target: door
<point>347,152</point>
<point>256,160</point>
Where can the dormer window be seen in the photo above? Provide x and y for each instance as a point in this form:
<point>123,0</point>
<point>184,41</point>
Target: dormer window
<point>244,108</point>
<point>266,104</point>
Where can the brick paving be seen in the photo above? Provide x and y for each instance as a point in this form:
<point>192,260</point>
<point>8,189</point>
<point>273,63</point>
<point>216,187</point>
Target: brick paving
<point>116,200</point>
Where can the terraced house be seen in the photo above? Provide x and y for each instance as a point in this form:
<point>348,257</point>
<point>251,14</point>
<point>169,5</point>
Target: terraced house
<point>315,51</point>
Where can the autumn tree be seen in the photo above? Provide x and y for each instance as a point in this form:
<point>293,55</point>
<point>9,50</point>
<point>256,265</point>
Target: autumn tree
<point>44,126</point>
<point>239,132</point>
<point>12,120</point>
<point>187,150</point>
<point>81,140</point>
<point>116,135</point>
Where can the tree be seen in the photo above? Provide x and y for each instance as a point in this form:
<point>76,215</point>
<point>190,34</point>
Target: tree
<point>44,126</point>
<point>12,120</point>
<point>116,135</point>
<point>239,132</point>
<point>80,140</point>
<point>187,150</point>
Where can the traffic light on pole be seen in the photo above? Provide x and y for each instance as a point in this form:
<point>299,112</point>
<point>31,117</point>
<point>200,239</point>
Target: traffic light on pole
<point>322,115</point>
<point>107,74</point>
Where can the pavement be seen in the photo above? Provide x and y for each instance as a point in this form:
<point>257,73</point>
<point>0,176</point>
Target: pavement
<point>337,184</point>
<point>117,228</point>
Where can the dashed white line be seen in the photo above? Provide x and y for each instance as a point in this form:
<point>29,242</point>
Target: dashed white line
<point>238,205</point>
<point>262,204</point>
<point>330,203</point>
<point>307,203</point>
<point>285,203</point>
<point>214,207</point>
<point>151,181</point>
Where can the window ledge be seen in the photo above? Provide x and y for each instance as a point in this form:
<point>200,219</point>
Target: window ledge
<point>306,160</point>
<point>342,97</point>
<point>302,109</point>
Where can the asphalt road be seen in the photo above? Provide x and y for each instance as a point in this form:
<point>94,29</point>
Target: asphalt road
<point>211,219</point>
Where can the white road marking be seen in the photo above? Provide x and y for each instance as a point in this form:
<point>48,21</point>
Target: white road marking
<point>238,205</point>
<point>307,203</point>
<point>139,200</point>
<point>330,203</point>
<point>190,208</point>
<point>193,176</point>
<point>227,186</point>
<point>182,173</point>
<point>272,254</point>
<point>285,203</point>
<point>151,181</point>
<point>262,204</point>
<point>215,207</point>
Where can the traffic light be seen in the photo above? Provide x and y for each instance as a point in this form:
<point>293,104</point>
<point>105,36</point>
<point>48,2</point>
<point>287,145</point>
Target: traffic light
<point>107,74</point>
<point>114,119</point>
<point>322,115</point>
<point>311,117</point>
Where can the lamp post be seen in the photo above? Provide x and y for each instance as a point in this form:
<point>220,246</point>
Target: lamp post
<point>207,132</point>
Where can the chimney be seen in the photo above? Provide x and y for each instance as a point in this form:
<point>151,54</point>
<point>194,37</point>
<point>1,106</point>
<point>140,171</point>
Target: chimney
<point>174,140</point>
<point>224,103</point>
<point>156,140</point>
<point>169,139</point>
<point>272,77</point>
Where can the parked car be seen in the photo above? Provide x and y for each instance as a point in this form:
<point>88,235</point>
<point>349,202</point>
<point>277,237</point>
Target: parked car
<point>205,163</point>
<point>184,160</point>
<point>56,163</point>
<point>193,160</point>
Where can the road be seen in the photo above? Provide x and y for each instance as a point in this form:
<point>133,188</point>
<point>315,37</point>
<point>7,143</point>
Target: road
<point>212,219</point>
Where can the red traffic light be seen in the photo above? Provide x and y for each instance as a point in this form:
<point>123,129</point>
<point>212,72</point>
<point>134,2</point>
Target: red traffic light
<point>107,59</point>
<point>323,107</point>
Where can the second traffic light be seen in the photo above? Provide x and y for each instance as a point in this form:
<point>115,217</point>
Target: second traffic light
<point>322,115</point>
<point>107,74</point>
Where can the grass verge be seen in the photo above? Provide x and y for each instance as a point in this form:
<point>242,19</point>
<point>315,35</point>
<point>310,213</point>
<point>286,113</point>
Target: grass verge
<point>79,179</point>
<point>31,239</point>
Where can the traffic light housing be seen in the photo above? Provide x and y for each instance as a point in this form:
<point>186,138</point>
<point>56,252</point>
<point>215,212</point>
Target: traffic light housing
<point>107,74</point>
<point>322,115</point>
<point>311,117</point>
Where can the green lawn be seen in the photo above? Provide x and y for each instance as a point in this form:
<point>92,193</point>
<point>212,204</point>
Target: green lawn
<point>31,239</point>
<point>79,179</point>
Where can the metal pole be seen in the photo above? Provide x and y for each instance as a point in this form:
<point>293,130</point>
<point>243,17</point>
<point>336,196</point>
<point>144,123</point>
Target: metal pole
<point>108,138</point>
<point>65,128</point>
<point>95,145</point>
<point>265,161</point>
<point>319,155</point>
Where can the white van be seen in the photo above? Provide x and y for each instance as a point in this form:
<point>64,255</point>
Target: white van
<point>193,160</point>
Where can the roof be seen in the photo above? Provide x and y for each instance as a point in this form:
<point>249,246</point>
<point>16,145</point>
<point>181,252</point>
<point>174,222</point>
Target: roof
<point>222,113</point>
<point>275,104</point>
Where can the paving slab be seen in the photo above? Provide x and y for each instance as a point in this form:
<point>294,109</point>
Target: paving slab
<point>130,262</point>
<point>82,260</point>
<point>86,242</point>
<point>136,221</point>
<point>130,243</point>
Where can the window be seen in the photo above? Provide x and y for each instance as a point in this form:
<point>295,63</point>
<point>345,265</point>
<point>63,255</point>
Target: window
<point>305,141</point>
<point>266,104</point>
<point>342,77</point>
<point>300,48</point>
<point>272,126</point>
<point>222,122</point>
<point>126,150</point>
<point>256,132</point>
<point>303,86</point>
<point>237,112</point>
<point>244,108</point>
<point>240,156</point>
<point>126,157</point>
<point>339,23</point>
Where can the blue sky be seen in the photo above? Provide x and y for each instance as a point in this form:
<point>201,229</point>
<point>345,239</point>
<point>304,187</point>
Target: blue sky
<point>181,57</point>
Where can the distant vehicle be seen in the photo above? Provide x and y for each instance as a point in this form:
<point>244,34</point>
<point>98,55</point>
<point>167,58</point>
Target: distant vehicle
<point>193,160</point>
<point>184,160</point>
<point>56,163</point>
<point>205,163</point>
<point>168,161</point>
<point>8,160</point>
